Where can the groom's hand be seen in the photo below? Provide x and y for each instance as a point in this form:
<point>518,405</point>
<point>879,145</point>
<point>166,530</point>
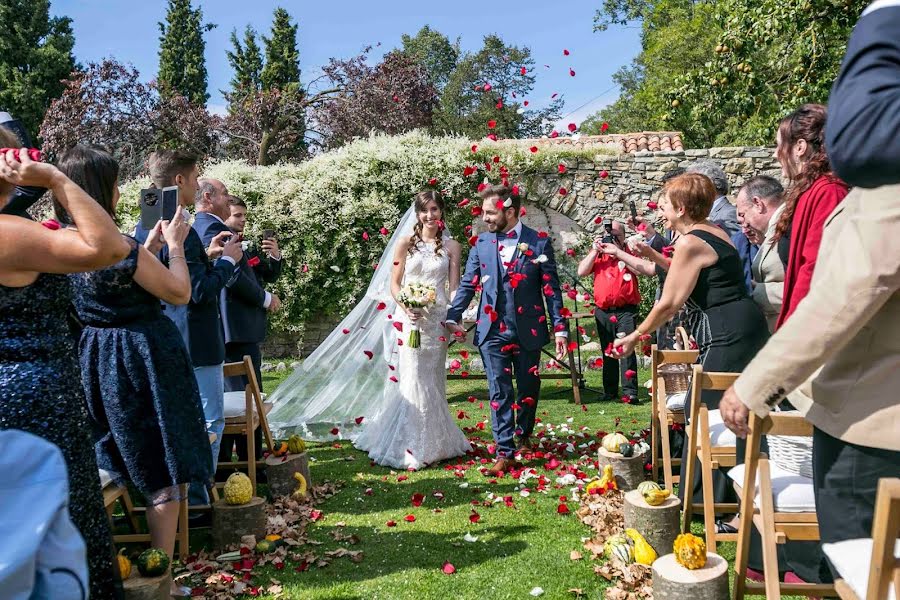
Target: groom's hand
<point>458,331</point>
<point>562,347</point>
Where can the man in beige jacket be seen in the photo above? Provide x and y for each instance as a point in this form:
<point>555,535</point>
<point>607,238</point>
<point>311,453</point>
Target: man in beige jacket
<point>759,204</point>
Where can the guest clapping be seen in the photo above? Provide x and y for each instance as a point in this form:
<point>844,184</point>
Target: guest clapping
<point>38,366</point>
<point>137,376</point>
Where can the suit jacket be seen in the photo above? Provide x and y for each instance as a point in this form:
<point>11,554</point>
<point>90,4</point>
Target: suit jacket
<point>724,214</point>
<point>747,252</point>
<point>840,349</point>
<point>540,282</point>
<point>204,327</point>
<point>768,275</point>
<point>813,208</point>
<point>864,106</point>
<point>243,299</point>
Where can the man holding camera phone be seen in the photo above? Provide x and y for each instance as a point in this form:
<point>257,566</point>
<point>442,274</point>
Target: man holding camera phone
<point>198,322</point>
<point>616,300</point>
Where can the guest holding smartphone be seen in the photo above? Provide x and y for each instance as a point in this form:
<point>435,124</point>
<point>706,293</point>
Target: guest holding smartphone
<point>137,376</point>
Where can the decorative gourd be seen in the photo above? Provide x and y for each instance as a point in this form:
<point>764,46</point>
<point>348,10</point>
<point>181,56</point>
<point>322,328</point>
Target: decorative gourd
<point>612,441</point>
<point>608,480</point>
<point>619,546</point>
<point>626,449</point>
<point>238,489</point>
<point>296,445</point>
<point>273,538</point>
<point>281,449</point>
<point>656,497</point>
<point>124,565</point>
<point>690,551</point>
<point>643,552</point>
<point>300,492</point>
<point>645,486</point>
<point>153,562</point>
<point>265,546</point>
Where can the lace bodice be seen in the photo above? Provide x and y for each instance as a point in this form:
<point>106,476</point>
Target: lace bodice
<point>425,265</point>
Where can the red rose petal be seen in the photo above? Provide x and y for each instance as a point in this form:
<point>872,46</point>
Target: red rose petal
<point>417,499</point>
<point>368,353</point>
<point>448,569</point>
<point>359,420</point>
<point>573,127</point>
<point>491,124</point>
<point>410,518</point>
<point>533,149</point>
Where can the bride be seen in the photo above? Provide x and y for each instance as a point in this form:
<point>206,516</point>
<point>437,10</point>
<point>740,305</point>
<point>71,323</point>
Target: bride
<point>365,382</point>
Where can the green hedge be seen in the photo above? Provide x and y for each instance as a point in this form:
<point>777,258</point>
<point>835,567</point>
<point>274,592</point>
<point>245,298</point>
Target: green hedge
<point>321,208</point>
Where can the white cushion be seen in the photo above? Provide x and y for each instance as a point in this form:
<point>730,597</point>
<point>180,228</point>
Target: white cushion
<point>675,402</point>
<point>853,559</point>
<point>235,404</point>
<point>792,492</point>
<point>105,479</point>
<point>719,434</point>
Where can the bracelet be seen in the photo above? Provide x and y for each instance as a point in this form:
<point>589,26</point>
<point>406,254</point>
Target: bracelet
<point>177,256</point>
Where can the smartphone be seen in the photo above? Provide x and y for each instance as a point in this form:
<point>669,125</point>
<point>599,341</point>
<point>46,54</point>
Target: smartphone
<point>633,208</point>
<point>268,234</point>
<point>158,205</point>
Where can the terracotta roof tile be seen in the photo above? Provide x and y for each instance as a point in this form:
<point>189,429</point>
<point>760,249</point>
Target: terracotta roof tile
<point>652,141</point>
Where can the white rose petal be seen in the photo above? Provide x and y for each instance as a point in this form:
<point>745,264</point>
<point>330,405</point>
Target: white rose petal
<point>537,592</point>
<point>470,538</point>
<point>540,259</point>
<point>335,268</point>
<point>245,245</point>
<point>464,485</point>
<point>626,277</point>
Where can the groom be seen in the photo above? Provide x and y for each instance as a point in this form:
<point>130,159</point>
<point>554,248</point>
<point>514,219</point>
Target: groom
<point>515,269</point>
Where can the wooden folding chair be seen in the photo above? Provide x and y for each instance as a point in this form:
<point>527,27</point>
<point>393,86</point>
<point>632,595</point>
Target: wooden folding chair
<point>779,504</point>
<point>713,445</point>
<point>118,494</point>
<point>661,417</point>
<point>869,567</point>
<point>236,417</point>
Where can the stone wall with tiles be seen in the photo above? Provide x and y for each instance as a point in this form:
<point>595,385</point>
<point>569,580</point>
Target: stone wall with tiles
<point>633,176</point>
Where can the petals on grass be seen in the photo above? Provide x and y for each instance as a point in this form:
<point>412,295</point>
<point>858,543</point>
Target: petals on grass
<point>474,517</point>
<point>391,523</point>
<point>562,509</point>
<point>417,499</point>
<point>448,569</point>
<point>359,420</point>
<point>410,518</point>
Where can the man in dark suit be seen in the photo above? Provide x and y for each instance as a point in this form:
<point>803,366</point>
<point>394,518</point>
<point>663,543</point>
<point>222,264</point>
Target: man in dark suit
<point>864,106</point>
<point>247,303</point>
<point>199,321</point>
<point>514,267</point>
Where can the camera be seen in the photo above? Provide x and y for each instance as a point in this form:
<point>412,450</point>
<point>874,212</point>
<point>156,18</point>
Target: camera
<point>609,238</point>
<point>158,205</point>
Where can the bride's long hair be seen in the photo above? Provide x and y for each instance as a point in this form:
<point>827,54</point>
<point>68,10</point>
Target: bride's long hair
<point>419,205</point>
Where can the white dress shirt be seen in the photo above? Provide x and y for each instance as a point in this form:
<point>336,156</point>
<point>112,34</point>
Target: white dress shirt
<point>506,246</point>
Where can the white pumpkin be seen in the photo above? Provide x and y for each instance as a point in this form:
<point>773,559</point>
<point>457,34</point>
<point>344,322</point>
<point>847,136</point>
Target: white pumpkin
<point>611,441</point>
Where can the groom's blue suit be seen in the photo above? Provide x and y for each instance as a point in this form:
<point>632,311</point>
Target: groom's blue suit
<point>512,325</point>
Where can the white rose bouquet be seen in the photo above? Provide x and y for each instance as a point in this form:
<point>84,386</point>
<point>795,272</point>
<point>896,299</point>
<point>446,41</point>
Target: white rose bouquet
<point>416,295</point>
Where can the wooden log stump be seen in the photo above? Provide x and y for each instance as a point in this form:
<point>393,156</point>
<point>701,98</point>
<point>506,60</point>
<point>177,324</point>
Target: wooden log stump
<point>148,588</point>
<point>659,525</point>
<point>280,473</point>
<point>629,471</point>
<point>671,581</point>
<point>231,522</point>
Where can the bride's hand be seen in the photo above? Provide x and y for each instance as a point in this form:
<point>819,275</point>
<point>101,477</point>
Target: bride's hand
<point>414,314</point>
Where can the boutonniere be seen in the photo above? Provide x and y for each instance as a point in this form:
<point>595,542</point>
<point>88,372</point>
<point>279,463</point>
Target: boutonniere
<point>523,247</point>
<point>253,261</point>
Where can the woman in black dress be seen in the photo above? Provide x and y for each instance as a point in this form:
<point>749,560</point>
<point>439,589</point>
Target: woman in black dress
<point>137,376</point>
<point>39,380</point>
<point>706,277</point>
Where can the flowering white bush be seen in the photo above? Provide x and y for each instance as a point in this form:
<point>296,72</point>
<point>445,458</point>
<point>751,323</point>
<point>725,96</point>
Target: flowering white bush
<point>328,212</point>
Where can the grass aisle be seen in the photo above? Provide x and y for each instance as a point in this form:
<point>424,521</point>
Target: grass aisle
<point>521,546</point>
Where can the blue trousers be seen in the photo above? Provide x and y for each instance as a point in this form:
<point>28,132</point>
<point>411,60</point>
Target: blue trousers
<point>507,422</point>
<point>211,382</point>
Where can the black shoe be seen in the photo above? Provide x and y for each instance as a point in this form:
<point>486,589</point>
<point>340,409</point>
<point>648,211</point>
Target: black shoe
<point>723,527</point>
<point>608,398</point>
<point>633,400</point>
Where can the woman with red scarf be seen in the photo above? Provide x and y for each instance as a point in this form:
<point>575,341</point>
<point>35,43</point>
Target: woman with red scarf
<point>813,193</point>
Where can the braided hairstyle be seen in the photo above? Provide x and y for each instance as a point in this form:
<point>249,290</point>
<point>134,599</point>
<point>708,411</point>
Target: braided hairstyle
<point>421,202</point>
<point>805,123</point>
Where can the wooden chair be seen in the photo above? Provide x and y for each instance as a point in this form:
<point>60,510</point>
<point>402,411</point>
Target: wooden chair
<point>118,494</point>
<point>713,445</point>
<point>238,405</point>
<point>779,504</point>
<point>662,418</point>
<point>869,567</point>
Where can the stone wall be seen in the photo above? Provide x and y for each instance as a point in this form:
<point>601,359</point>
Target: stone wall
<point>630,176</point>
<point>636,177</point>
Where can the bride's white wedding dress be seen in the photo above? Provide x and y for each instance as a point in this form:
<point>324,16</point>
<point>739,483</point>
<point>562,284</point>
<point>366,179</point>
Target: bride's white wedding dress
<point>416,429</point>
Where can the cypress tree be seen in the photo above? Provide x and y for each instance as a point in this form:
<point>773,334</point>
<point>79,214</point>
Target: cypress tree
<point>35,57</point>
<point>282,57</point>
<point>182,65</point>
<point>246,60</point>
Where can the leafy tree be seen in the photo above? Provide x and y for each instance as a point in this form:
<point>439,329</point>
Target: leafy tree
<point>771,57</point>
<point>108,104</point>
<point>182,65</point>
<point>246,60</point>
<point>431,49</point>
<point>676,35</point>
<point>35,56</point>
<point>282,57</point>
<point>466,108</point>
<point>392,97</point>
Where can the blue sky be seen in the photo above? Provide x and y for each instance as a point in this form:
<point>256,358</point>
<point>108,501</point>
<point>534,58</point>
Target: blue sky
<point>128,31</point>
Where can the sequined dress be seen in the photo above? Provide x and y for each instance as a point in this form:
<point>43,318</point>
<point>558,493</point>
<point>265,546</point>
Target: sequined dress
<point>40,392</point>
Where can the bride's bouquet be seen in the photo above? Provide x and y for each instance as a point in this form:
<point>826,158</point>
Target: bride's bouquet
<point>416,295</point>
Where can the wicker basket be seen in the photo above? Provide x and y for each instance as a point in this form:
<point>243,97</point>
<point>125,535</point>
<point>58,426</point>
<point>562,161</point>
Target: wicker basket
<point>793,453</point>
<point>676,376</point>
